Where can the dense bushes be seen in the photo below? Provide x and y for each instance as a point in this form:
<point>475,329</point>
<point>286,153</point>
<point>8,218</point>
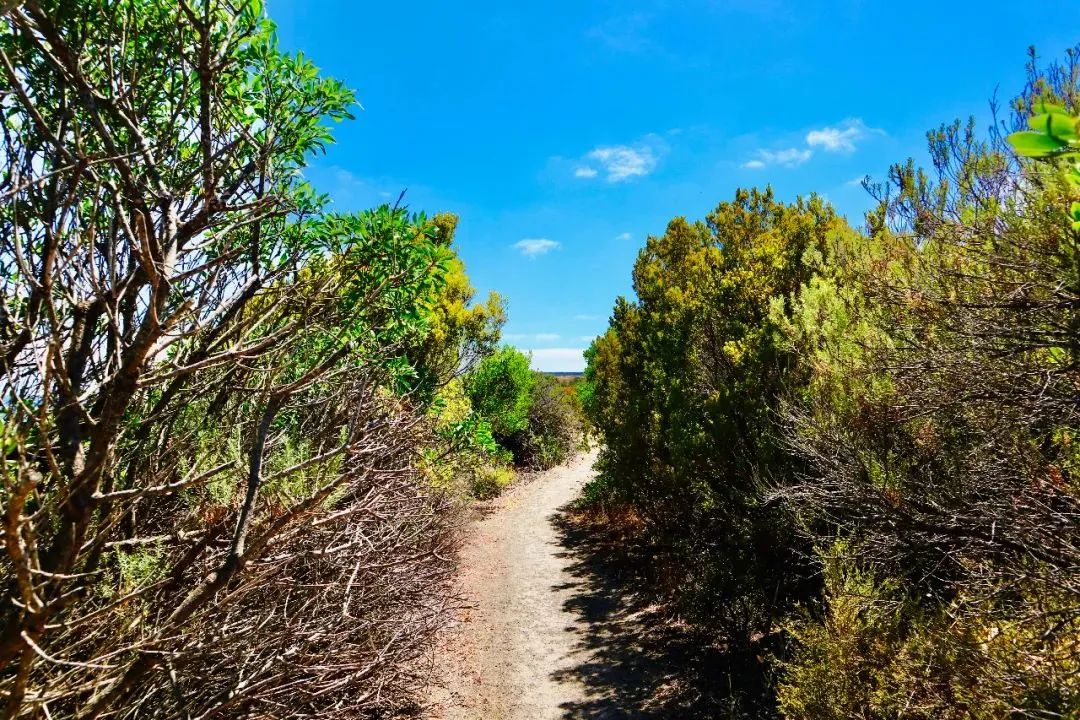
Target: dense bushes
<point>553,428</point>
<point>529,414</point>
<point>899,403</point>
<point>500,389</point>
<point>685,386</point>
<point>215,394</point>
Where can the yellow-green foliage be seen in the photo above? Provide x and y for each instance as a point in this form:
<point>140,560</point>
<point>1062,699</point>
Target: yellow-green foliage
<point>831,324</point>
<point>138,567</point>
<point>877,654</point>
<point>490,480</point>
<point>452,405</point>
<point>459,331</point>
<point>450,409</point>
<point>835,667</point>
<point>467,461</point>
<point>285,488</point>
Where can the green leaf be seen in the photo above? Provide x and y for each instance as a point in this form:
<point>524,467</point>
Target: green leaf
<point>1035,145</point>
<point>1043,107</point>
<point>1075,211</point>
<point>1059,126</point>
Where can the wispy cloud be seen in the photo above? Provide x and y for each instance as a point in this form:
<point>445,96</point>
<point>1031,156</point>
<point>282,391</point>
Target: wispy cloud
<point>534,247</point>
<point>586,317</point>
<point>841,138</point>
<point>789,158</point>
<point>624,236</point>
<point>619,163</point>
<point>622,162</point>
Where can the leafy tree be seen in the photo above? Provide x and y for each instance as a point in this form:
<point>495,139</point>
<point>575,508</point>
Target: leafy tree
<point>459,332</point>
<point>685,390</point>
<point>199,373</point>
<point>500,391</point>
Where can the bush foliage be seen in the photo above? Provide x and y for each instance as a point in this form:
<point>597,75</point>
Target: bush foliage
<point>531,417</point>
<point>233,423</point>
<point>858,448</point>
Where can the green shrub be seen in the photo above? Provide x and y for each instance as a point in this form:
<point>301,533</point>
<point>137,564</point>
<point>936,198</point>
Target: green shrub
<point>881,652</point>
<point>684,389</point>
<point>489,481</point>
<point>553,431</point>
<point>937,439</point>
<point>500,389</point>
<point>467,460</point>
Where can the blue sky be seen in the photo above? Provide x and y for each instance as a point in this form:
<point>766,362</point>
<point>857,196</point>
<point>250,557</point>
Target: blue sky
<point>564,133</point>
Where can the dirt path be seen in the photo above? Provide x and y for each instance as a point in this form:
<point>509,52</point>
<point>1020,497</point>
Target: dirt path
<point>555,628</point>
<point>507,658</point>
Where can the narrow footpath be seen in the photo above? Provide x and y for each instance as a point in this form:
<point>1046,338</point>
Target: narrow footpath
<point>509,655</point>
<point>553,628</point>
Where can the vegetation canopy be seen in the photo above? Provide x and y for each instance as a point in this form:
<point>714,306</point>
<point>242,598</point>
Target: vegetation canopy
<point>856,450</point>
<point>223,406</point>
<point>240,431</point>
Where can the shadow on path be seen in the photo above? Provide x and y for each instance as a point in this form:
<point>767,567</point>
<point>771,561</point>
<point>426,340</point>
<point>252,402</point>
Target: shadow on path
<point>638,664</point>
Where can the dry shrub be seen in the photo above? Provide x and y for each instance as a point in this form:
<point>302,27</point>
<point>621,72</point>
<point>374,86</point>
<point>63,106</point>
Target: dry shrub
<point>208,494</point>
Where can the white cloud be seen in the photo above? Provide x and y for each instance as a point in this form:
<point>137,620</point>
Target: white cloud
<point>534,247</point>
<point>617,163</point>
<point>623,236</point>
<point>842,138</point>
<point>558,359</point>
<point>547,337</point>
<point>856,182</point>
<point>586,317</point>
<point>789,158</point>
<point>622,162</point>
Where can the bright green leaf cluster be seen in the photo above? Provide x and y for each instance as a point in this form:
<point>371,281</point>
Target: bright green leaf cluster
<point>1054,137</point>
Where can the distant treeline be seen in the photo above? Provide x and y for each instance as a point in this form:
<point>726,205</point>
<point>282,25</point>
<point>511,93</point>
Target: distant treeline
<point>856,453</point>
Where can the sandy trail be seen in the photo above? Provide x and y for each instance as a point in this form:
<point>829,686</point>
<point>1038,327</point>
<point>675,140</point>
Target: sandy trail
<point>511,655</point>
<point>555,627</point>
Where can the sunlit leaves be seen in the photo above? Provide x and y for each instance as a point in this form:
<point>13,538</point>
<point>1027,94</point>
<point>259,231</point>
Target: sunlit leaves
<point>1037,144</point>
<point>500,389</point>
<point>1056,125</point>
